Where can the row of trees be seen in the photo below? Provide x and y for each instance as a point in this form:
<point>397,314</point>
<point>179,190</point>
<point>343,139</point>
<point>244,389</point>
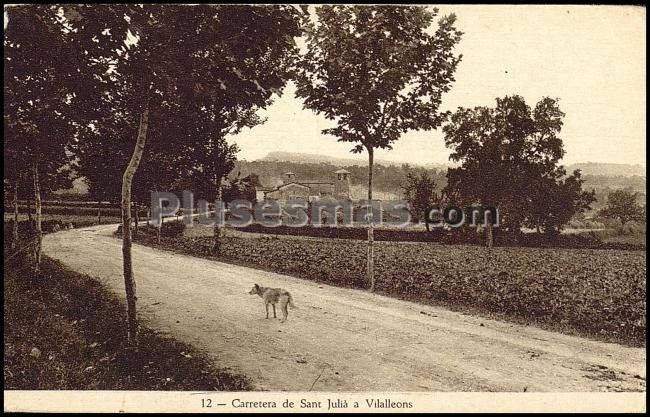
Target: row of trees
<point>156,89</point>
<point>150,90</point>
<point>149,94</point>
<point>376,71</point>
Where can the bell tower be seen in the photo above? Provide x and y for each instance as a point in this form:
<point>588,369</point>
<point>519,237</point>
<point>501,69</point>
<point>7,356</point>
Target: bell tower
<point>289,177</point>
<point>342,184</point>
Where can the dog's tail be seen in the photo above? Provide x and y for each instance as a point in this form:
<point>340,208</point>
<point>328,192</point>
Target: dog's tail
<point>290,303</point>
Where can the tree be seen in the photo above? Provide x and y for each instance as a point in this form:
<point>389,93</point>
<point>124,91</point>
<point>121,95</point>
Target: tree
<point>212,158</point>
<point>622,205</point>
<point>220,59</point>
<point>14,171</point>
<point>556,200</point>
<point>104,151</point>
<point>506,154</point>
<point>378,73</point>
<point>41,72</point>
<point>420,192</point>
<point>242,188</point>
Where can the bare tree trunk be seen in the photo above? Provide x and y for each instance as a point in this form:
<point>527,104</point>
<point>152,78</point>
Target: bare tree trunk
<point>137,219</point>
<point>37,207</point>
<point>14,235</point>
<point>159,229</point>
<point>127,179</point>
<point>216,240</point>
<point>159,226</point>
<point>371,261</point>
<point>29,211</point>
<point>490,237</point>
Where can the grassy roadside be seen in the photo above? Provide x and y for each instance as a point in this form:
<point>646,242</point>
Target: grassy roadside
<point>63,330</point>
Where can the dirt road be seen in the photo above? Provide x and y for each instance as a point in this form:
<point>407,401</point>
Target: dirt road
<point>340,339</point>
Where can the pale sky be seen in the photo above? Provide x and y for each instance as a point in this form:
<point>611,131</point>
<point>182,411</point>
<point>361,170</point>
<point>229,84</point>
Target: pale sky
<point>590,57</point>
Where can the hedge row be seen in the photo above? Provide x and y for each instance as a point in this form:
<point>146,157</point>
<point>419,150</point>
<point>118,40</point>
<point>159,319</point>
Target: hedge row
<point>453,237</point>
<point>80,211</point>
<point>61,203</point>
<point>171,229</point>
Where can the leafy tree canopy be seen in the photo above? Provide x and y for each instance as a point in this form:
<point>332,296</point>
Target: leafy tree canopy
<point>377,71</point>
<point>509,157</point>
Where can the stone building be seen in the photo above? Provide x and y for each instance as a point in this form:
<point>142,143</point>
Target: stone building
<point>293,189</point>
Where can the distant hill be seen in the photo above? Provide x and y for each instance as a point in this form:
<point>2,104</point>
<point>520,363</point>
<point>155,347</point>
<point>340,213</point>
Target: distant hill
<point>608,169</point>
<point>604,184</point>
<point>587,168</point>
<point>391,176</point>
<point>386,178</point>
<point>603,178</point>
<point>308,158</point>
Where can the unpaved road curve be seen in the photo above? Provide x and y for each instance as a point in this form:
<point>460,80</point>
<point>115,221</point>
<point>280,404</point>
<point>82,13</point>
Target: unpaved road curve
<point>341,339</point>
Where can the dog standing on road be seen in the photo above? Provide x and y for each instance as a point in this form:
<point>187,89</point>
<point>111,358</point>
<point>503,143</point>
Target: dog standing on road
<point>274,296</point>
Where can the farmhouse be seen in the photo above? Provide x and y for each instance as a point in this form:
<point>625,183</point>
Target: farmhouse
<point>292,189</point>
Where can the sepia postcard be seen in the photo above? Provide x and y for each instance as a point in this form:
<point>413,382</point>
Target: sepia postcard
<point>324,208</point>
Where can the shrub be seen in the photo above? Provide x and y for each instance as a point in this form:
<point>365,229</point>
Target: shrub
<point>576,224</point>
<point>173,229</point>
<point>459,236</point>
<point>591,224</point>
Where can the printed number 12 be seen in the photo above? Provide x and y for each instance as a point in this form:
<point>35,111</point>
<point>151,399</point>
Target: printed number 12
<point>206,403</point>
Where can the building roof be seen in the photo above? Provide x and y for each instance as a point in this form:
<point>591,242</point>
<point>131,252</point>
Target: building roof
<point>316,182</point>
<point>342,171</point>
<point>285,185</point>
